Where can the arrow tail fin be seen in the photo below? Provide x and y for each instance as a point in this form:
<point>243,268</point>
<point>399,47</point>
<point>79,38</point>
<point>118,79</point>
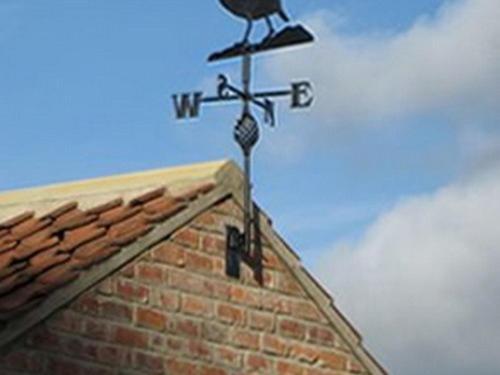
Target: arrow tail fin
<point>283,15</point>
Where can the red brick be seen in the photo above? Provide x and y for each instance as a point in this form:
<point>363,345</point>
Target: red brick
<point>230,314</point>
<point>227,357</point>
<point>169,300</point>
<point>304,353</point>
<point>292,329</point>
<point>169,253</point>
<point>174,343</point>
<point>276,303</point>
<point>261,321</point>
<point>332,360</point>
<point>187,327</point>
<point>130,337</point>
<point>316,371</point>
<point>305,310</point>
<point>285,283</point>
<point>274,345</point>
<point>66,321</point>
<point>177,366</point>
<point>221,290</point>
<point>152,319</point>
<point>22,361</point>
<point>190,282</point>
<point>210,370</point>
<point>111,355</point>
<point>95,329</point>
<point>131,291</point>
<point>355,367</point>
<point>214,245</point>
<point>214,332</point>
<point>59,366</point>
<point>321,335</point>
<point>106,287</point>
<point>245,340</point>
<point>44,339</point>
<point>198,306</point>
<point>199,350</point>
<point>207,220</point>
<point>256,362</point>
<point>245,296</point>
<point>153,364</point>
<point>128,271</point>
<point>229,208</point>
<point>199,262</point>
<point>116,311</point>
<point>188,237</point>
<point>150,273</point>
<point>75,347</point>
<point>271,260</point>
<point>289,368</point>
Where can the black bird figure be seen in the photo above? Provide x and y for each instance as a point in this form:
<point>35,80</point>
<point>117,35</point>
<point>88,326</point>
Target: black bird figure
<point>252,10</point>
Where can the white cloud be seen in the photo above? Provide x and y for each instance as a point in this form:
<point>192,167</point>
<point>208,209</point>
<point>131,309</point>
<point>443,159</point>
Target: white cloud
<point>423,284</point>
<point>449,60</point>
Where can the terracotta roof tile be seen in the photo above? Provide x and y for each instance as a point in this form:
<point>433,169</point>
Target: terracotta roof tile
<point>194,192</point>
<point>3,233</point>
<point>78,220</point>
<point>40,255</point>
<point>116,215</point>
<point>11,282</point>
<point>106,206</point>
<point>57,276</point>
<point>148,196</point>
<point>17,220</point>
<point>29,227</point>
<point>7,245</point>
<point>7,271</point>
<point>61,210</point>
<point>45,260</point>
<point>6,259</point>
<point>168,211</point>
<point>26,250</point>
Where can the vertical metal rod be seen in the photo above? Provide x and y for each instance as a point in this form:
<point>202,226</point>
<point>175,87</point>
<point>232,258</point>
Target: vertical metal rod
<point>248,205</point>
<point>246,78</point>
<point>246,75</point>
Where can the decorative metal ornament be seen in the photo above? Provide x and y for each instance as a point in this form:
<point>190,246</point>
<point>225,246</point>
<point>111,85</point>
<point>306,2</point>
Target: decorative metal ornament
<point>246,131</point>
<point>252,10</point>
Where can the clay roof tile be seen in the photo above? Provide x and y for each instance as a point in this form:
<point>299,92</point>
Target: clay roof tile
<point>17,220</point>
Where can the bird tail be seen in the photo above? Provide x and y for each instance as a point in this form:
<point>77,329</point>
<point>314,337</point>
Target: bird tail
<point>283,15</point>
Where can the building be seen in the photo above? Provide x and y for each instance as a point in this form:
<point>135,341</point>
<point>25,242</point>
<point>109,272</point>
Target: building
<point>127,275</point>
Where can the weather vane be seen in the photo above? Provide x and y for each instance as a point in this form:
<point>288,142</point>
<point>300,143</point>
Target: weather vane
<point>246,131</point>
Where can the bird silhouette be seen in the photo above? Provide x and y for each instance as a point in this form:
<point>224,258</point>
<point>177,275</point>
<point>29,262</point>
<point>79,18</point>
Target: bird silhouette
<point>252,10</point>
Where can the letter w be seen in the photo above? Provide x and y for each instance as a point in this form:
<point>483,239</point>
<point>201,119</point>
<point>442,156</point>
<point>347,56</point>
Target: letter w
<point>187,105</point>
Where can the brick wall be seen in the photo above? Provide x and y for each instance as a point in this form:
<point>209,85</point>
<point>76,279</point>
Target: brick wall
<point>174,311</point>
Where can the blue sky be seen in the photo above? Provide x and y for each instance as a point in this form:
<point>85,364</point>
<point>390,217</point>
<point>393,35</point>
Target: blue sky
<point>406,111</point>
<point>86,92</point>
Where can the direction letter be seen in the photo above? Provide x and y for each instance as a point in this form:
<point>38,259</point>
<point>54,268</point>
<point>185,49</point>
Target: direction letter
<point>302,96</point>
<point>187,105</point>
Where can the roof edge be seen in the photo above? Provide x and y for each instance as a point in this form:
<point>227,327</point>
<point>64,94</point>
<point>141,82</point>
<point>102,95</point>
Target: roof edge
<point>169,175</point>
